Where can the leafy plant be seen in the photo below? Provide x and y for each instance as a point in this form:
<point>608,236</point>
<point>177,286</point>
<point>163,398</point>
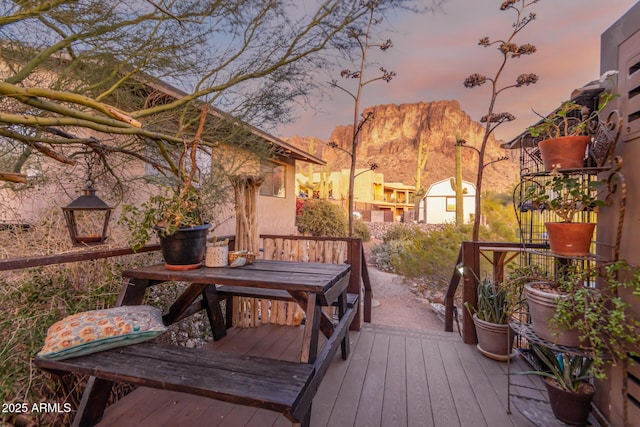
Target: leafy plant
<point>608,328</point>
<point>568,371</point>
<point>565,195</point>
<point>571,118</point>
<point>179,208</point>
<point>322,218</point>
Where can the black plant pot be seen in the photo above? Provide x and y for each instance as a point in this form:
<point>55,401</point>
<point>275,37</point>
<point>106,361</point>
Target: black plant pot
<point>185,249</point>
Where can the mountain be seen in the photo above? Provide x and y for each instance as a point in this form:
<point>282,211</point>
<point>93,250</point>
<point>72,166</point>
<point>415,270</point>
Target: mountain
<point>391,140</point>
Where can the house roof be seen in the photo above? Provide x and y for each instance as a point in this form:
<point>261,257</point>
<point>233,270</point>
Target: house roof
<point>446,180</point>
<point>286,148</point>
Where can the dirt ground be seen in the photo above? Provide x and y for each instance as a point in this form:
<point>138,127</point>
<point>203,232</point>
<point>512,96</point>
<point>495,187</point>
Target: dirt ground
<point>395,305</point>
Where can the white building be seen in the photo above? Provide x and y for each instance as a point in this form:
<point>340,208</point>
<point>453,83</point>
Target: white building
<point>439,204</point>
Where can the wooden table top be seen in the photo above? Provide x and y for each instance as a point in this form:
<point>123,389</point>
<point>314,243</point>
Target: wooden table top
<point>285,275</point>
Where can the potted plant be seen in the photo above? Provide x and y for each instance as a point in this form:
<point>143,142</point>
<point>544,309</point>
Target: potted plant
<point>602,322</point>
<point>176,215</point>
<point>567,130</point>
<point>566,377</point>
<point>491,319</point>
<point>542,295</point>
<point>566,195</point>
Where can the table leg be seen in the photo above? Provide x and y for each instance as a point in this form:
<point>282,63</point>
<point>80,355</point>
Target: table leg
<point>132,293</point>
<point>183,302</point>
<point>311,330</point>
<point>326,325</point>
<point>342,309</point>
<point>214,312</point>
<point>93,403</point>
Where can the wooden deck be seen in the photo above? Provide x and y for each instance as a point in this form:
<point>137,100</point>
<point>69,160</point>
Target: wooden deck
<point>394,377</point>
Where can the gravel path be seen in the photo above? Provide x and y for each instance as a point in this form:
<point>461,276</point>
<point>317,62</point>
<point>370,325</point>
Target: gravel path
<point>398,306</point>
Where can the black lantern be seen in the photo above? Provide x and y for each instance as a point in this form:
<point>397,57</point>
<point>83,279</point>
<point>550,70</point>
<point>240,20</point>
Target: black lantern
<point>88,218</point>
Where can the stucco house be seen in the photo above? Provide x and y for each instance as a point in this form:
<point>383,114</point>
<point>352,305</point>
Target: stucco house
<point>439,203</point>
<point>27,204</point>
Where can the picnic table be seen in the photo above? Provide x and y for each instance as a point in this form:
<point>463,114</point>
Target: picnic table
<point>282,386</point>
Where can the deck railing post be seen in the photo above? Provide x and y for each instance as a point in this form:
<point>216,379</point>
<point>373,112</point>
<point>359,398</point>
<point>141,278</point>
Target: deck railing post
<point>355,259</point>
<point>471,263</point>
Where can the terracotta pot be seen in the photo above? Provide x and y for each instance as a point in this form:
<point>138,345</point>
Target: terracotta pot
<point>565,152</point>
<point>542,308</point>
<point>494,340</point>
<point>570,407</point>
<point>570,238</point>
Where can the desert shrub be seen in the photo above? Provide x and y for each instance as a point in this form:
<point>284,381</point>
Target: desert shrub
<point>433,254</point>
<point>386,255</point>
<point>414,253</point>
<point>322,218</point>
<point>400,231</point>
<point>361,230</point>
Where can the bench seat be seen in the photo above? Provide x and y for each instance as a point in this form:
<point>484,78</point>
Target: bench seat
<point>279,295</point>
<point>275,385</point>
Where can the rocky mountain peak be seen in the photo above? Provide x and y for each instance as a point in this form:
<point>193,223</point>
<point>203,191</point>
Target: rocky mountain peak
<point>391,140</point>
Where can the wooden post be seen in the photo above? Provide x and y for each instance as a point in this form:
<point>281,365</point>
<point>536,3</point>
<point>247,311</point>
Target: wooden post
<point>355,259</point>
<point>471,261</point>
<point>451,292</point>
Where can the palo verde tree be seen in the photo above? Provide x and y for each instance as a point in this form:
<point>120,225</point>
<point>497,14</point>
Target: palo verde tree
<point>509,50</point>
<point>87,76</point>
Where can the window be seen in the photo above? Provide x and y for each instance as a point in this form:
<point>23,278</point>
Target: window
<point>451,204</point>
<point>274,179</point>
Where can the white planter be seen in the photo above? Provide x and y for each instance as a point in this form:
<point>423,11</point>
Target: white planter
<point>217,256</point>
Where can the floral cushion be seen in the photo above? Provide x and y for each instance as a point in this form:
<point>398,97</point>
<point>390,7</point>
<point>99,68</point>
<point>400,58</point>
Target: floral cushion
<point>99,330</point>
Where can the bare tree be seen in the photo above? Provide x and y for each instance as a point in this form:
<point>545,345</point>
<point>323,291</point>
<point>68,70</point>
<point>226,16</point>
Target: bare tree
<point>364,43</point>
<point>365,39</point>
<point>73,68</point>
<point>508,50</point>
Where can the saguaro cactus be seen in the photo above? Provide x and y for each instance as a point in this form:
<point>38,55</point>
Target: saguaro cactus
<point>456,185</point>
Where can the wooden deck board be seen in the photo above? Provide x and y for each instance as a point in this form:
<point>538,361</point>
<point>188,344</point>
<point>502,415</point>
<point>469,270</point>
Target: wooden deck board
<point>442,406</point>
<point>330,386</point>
<point>393,377</point>
<point>465,400</point>
<point>487,393</point>
<point>394,408</point>
<point>418,403</point>
<point>372,387</point>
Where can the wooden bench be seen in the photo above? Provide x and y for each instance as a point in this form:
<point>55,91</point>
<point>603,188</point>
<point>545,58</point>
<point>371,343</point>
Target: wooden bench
<point>276,385</point>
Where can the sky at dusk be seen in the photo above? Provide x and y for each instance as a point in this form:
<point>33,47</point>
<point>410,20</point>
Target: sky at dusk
<point>434,53</point>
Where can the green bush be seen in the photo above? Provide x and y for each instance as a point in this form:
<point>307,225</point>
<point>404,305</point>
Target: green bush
<point>361,230</point>
<point>322,218</point>
<point>400,231</point>
<point>414,253</point>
